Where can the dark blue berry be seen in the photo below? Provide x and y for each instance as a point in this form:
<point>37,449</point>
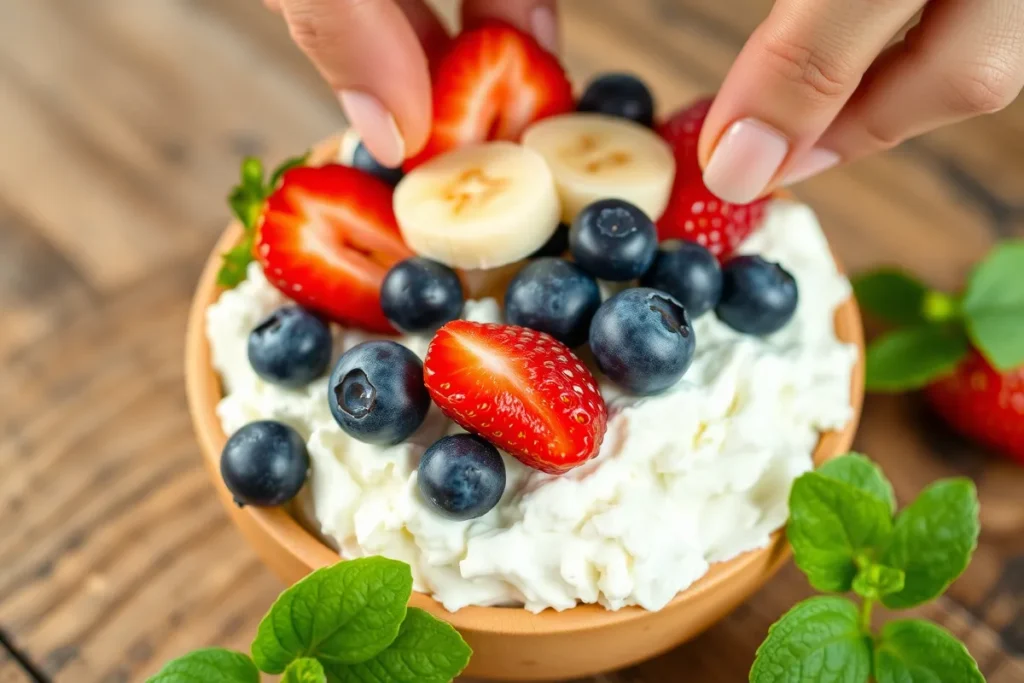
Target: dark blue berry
<point>264,463</point>
<point>462,476</point>
<point>291,347</point>
<point>642,340</point>
<point>556,245</point>
<point>376,393</point>
<point>758,297</point>
<point>619,94</point>
<point>420,295</point>
<point>553,296</point>
<point>364,161</point>
<point>689,272</point>
<point>613,240</point>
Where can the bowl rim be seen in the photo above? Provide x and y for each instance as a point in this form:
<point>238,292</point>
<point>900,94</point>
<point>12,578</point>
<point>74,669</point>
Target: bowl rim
<point>203,391</point>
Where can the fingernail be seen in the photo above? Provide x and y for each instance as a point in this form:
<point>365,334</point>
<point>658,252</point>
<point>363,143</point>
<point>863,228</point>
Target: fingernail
<point>545,27</point>
<point>376,126</point>
<point>746,159</point>
<point>810,164</point>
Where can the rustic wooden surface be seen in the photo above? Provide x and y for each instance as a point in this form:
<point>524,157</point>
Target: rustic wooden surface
<point>123,123</point>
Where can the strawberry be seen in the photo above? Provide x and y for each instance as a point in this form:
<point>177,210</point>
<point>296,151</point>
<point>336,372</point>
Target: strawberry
<point>520,389</point>
<point>327,238</point>
<point>693,213</point>
<point>983,404</point>
<point>493,82</point>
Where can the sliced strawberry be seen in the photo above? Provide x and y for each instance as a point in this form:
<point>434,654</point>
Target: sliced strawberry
<point>693,213</point>
<point>494,81</point>
<point>327,238</point>
<point>520,389</point>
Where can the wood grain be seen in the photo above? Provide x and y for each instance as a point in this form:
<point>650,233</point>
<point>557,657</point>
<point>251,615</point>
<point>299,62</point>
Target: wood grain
<point>124,125</point>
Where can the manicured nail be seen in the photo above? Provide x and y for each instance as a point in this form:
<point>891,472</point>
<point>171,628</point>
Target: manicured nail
<point>545,28</point>
<point>810,164</point>
<point>746,159</point>
<point>376,126</point>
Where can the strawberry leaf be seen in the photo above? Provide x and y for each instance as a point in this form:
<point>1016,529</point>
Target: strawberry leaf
<point>252,176</point>
<point>235,264</point>
<point>892,296</point>
<point>994,306</point>
<point>287,165</point>
<point>912,357</point>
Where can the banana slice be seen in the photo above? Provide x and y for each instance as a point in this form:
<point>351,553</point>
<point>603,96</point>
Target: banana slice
<point>594,156</point>
<point>480,206</point>
<point>347,146</point>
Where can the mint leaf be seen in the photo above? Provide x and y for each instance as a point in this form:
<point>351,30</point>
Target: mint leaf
<point>287,165</point>
<point>831,523</point>
<point>891,295</point>
<point>910,358</point>
<point>914,651</point>
<point>817,641</point>
<point>345,614</point>
<point>212,665</point>
<point>427,650</point>
<point>932,541</point>
<point>860,472</point>
<point>304,670</point>
<point>994,306</point>
<point>875,580</point>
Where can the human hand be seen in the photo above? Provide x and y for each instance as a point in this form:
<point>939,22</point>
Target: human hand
<point>816,85</point>
<point>374,54</point>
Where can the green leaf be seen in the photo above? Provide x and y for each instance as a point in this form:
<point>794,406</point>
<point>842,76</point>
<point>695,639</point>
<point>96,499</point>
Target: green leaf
<point>427,650</point>
<point>252,176</point>
<point>932,541</point>
<point>994,306</point>
<point>213,665</point>
<point>817,641</point>
<point>911,357</point>
<point>831,524</point>
<point>287,165</point>
<point>875,580</point>
<point>860,472</point>
<point>304,670</point>
<point>245,207</point>
<point>891,295</point>
<point>234,264</point>
<point>914,651</point>
<point>346,614</point>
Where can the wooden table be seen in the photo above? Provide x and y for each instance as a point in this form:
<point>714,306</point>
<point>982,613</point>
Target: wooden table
<point>123,123</point>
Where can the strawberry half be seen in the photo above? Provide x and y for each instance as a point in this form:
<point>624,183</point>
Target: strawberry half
<point>493,82</point>
<point>520,389</point>
<point>693,213</point>
<point>327,238</point>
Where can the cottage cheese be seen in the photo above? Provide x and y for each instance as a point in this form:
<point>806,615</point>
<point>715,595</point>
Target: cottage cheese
<point>693,476</point>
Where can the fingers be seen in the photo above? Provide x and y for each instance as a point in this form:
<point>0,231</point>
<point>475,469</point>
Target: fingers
<point>432,34</point>
<point>370,55</point>
<point>963,59</point>
<point>789,82</point>
<point>536,17</point>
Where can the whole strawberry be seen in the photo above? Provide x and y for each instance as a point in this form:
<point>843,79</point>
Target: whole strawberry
<point>520,389</point>
<point>965,351</point>
<point>693,213</point>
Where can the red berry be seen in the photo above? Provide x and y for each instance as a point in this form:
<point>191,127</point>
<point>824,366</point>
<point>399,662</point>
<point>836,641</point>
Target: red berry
<point>520,389</point>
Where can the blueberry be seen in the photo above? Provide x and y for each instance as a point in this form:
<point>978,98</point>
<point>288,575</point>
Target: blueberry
<point>619,94</point>
<point>690,273</point>
<point>556,245</point>
<point>291,347</point>
<point>613,240</point>
<point>420,295</point>
<point>462,476</point>
<point>264,463</point>
<point>364,161</point>
<point>553,296</point>
<point>758,297</point>
<point>642,340</point>
<point>376,393</point>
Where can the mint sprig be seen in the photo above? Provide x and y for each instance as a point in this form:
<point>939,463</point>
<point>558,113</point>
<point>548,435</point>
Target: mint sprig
<point>246,201</point>
<point>844,538</point>
<point>341,624</point>
<point>934,330</point>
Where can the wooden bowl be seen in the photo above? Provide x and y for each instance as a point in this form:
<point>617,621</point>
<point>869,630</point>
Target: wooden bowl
<point>508,642</point>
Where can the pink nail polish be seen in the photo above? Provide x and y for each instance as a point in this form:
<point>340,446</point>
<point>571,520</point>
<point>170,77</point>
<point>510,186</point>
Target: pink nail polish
<point>545,28</point>
<point>746,159</point>
<point>815,161</point>
<point>375,125</point>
